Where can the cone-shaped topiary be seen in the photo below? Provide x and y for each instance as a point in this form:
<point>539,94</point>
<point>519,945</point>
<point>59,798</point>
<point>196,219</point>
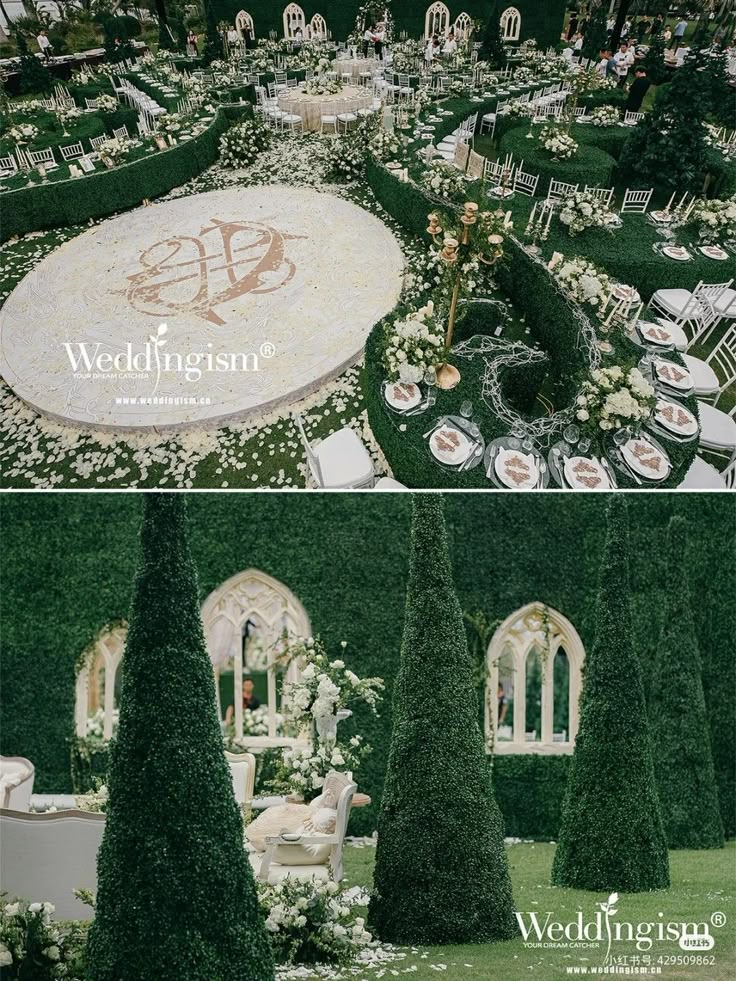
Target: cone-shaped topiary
<point>683,763</point>
<point>491,48</point>
<point>176,896</point>
<point>611,835</point>
<point>595,39</point>
<point>441,871</point>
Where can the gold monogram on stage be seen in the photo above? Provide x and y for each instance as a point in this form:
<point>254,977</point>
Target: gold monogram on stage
<point>197,273</point>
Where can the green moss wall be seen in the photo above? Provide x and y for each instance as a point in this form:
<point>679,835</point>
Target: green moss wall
<point>540,19</point>
<point>69,560</point>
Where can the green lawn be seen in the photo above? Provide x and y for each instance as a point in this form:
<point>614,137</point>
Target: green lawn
<point>702,884</point>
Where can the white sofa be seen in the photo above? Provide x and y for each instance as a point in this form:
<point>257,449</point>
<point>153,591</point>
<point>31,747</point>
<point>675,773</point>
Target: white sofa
<point>16,782</point>
<point>44,857</point>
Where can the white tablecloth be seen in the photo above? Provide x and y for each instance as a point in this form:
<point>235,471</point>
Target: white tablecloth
<point>350,98</point>
<point>356,66</point>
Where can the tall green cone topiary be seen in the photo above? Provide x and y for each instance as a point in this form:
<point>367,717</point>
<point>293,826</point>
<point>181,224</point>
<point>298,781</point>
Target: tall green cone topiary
<point>596,35</point>
<point>441,872</point>
<point>491,48</point>
<point>34,75</point>
<point>611,836</point>
<point>212,41</point>
<point>176,897</point>
<point>683,763</point>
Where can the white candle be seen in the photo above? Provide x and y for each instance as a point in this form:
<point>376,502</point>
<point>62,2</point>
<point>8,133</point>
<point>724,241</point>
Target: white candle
<point>534,211</point>
<point>549,220</point>
<point>669,203</point>
<point>684,199</point>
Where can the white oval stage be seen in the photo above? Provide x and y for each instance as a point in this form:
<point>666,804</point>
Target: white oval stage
<point>199,309</point>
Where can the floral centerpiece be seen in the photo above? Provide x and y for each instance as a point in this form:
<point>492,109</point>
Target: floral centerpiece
<point>23,132</point>
<point>385,145</point>
<point>557,142</point>
<point>95,801</point>
<point>614,398</point>
<point>414,343</point>
<point>715,220</point>
<point>107,103</point>
<point>581,280</point>
<point>65,114</point>
<point>443,180</point>
<point>517,110</point>
<point>32,946</point>
<point>241,144</point>
<point>255,723</point>
<point>312,922</point>
<point>583,209</point>
<point>320,84</point>
<point>605,116</point>
<point>345,157</point>
<point>115,150</point>
<point>172,122</point>
<point>301,770</point>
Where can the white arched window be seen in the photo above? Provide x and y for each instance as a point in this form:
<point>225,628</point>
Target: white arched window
<point>247,622</point>
<point>510,24</point>
<point>98,681</point>
<point>535,662</point>
<point>318,27</point>
<point>293,20</point>
<point>244,21</point>
<point>437,20</point>
<point>463,26</point>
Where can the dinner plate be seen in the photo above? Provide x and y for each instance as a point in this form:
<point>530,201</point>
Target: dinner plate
<point>654,333</point>
<point>500,192</point>
<point>675,418</point>
<point>449,445</point>
<point>676,252</point>
<point>402,395</point>
<point>586,473</point>
<point>714,252</point>
<point>516,469</point>
<point>662,217</point>
<point>625,293</point>
<point>673,375</point>
<point>645,459</point>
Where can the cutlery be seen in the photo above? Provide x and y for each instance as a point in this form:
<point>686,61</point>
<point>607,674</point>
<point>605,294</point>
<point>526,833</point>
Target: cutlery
<point>465,465</point>
<point>491,459</point>
<point>625,464</point>
<point>440,422</point>
<point>542,472</point>
<point>417,409</point>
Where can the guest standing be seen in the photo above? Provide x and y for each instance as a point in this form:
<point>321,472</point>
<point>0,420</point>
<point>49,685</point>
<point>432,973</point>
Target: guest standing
<point>680,28</point>
<point>192,49</point>
<point>44,45</point>
<point>638,89</point>
<point>378,40</point>
<point>367,39</point>
<point>623,60</point>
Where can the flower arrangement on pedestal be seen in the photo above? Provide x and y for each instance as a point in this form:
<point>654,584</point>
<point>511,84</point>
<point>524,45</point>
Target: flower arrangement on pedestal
<point>311,922</point>
<point>581,280</point>
<point>583,209</point>
<point>385,145</point>
<point>107,103</point>
<point>242,143</point>
<point>443,180</point>
<point>65,114</point>
<point>715,220</point>
<point>556,141</point>
<point>115,150</point>
<point>614,398</point>
<point>22,133</point>
<point>320,84</point>
<point>413,344</point>
<point>301,770</point>
<point>605,116</point>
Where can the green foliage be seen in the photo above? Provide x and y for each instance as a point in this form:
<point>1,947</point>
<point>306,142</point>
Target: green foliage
<point>683,763</point>
<point>117,39</point>
<point>590,165</point>
<point>612,836</point>
<point>596,35</point>
<point>653,61</point>
<point>439,828</point>
<point>491,49</point>
<point>668,146</point>
<point>34,75</point>
<point>530,790</point>
<point>176,895</point>
<point>212,43</point>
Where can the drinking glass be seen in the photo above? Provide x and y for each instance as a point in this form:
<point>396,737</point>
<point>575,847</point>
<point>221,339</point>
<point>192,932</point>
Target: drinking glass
<point>515,437</point>
<point>572,434</point>
<point>474,430</point>
<point>466,409</point>
<point>622,436</point>
<point>527,444</point>
<point>584,444</point>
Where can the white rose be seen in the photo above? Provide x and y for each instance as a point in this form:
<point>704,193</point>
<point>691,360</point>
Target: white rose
<point>6,958</point>
<point>12,909</point>
<point>52,953</point>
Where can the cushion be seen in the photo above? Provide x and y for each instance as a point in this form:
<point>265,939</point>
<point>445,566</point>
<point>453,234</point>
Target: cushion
<point>274,820</point>
<point>302,854</point>
<point>673,300</point>
<point>702,476</point>
<point>717,429</point>
<point>320,873</point>
<point>704,378</point>
<point>726,305</point>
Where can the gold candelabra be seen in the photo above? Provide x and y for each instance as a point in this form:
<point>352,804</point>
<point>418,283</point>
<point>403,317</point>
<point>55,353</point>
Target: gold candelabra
<point>453,251</point>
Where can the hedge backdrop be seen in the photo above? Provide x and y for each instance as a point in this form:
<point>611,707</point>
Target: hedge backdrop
<point>540,19</point>
<point>69,563</point>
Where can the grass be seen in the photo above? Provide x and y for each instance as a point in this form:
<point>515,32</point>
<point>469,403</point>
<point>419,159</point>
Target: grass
<point>702,884</point>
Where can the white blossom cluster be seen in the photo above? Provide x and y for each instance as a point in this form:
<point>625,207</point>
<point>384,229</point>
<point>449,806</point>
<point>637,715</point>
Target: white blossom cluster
<point>558,143</point>
<point>23,133</point>
<point>582,281</point>
<point>116,149</point>
<point>413,344</point>
<point>605,115</point>
<point>583,209</point>
<point>614,398</point>
<point>242,143</point>
<point>715,219</point>
<point>443,180</point>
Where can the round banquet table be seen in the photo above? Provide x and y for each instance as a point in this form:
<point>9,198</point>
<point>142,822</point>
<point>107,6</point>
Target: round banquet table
<point>356,66</point>
<point>350,98</point>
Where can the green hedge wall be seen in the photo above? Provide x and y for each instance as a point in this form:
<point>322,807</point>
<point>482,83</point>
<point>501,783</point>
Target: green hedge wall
<point>107,191</point>
<point>540,19</point>
<point>590,165</point>
<point>68,564</point>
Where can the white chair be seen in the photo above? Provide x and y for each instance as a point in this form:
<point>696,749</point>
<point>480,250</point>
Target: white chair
<point>559,190</point>
<point>697,309</point>
<point>339,461</point>
<point>267,869</point>
<point>327,117</point>
<point>579,112</point>
<point>346,115</point>
<point>291,121</point>
<point>16,782</point>
<point>460,156</point>
<point>46,856</point>
<point>8,166</point>
<point>604,194</point>
<point>632,118</point>
<point>717,429</point>
<point>476,166</point>
<point>525,183</point>
<point>704,476</point>
<point>72,152</point>
<point>43,157</point>
<point>722,361</point>
<point>406,92</point>
<point>121,133</point>
<point>636,202</point>
<point>97,141</point>
<point>243,770</point>
<point>389,484</point>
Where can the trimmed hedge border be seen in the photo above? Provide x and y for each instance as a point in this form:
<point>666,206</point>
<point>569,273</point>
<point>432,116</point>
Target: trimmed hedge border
<point>530,790</point>
<point>106,192</point>
<point>590,165</point>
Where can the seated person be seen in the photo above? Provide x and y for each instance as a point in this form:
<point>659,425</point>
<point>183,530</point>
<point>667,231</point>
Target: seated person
<point>250,701</point>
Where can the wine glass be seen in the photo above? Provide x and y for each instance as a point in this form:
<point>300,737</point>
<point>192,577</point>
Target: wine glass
<point>584,445</point>
<point>466,409</point>
<point>621,436</point>
<point>571,434</point>
<point>527,443</point>
<point>516,436</point>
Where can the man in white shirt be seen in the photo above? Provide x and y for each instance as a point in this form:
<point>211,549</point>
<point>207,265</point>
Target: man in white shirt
<point>623,60</point>
<point>602,66</point>
<point>367,40</point>
<point>44,45</point>
<point>450,46</point>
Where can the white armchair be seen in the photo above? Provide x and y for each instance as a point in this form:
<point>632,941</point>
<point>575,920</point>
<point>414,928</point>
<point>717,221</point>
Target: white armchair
<point>16,782</point>
<point>243,770</point>
<point>45,857</point>
<point>274,864</point>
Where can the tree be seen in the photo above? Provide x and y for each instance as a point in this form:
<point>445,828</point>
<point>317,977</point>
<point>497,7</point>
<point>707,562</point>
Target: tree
<point>491,48</point>
<point>213,41</point>
<point>653,61</point>
<point>34,76</point>
<point>611,836</point>
<point>176,896</point>
<point>596,35</point>
<point>441,872</point>
<point>668,146</point>
<point>683,763</point>
<point>165,39</point>
<point>618,25</point>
